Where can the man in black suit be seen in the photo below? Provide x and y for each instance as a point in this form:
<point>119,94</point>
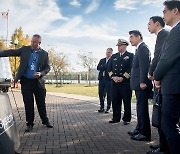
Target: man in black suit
<point>34,65</point>
<point>142,86</point>
<point>119,68</point>
<point>104,82</point>
<point>167,76</point>
<point>155,26</point>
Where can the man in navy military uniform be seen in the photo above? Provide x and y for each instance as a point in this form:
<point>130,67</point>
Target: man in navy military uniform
<point>104,81</point>
<point>119,68</point>
<point>142,86</point>
<point>167,77</point>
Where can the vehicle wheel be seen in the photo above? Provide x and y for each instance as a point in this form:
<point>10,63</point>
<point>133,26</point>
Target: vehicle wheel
<point>5,89</point>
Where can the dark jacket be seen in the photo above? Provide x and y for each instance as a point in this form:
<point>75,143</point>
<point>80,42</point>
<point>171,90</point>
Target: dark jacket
<point>102,67</point>
<point>161,37</point>
<point>121,66</point>
<point>168,68</point>
<point>24,54</point>
<point>140,68</point>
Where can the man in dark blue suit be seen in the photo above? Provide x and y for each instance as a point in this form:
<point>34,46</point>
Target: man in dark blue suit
<point>119,69</point>
<point>104,82</point>
<point>142,86</point>
<point>155,26</point>
<point>167,77</point>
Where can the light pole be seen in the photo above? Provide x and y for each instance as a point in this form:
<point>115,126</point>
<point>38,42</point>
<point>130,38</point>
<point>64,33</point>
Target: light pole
<point>15,43</point>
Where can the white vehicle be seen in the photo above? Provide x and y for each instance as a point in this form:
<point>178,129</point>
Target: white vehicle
<point>5,74</point>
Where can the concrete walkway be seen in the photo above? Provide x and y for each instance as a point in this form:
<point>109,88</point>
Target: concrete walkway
<point>78,128</point>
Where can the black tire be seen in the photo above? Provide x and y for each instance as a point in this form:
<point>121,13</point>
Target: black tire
<point>5,89</point>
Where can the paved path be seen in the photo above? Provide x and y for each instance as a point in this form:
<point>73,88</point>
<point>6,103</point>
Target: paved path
<point>78,129</point>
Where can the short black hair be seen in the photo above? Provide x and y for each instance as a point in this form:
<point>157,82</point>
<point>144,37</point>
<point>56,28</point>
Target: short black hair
<point>158,19</point>
<point>136,33</point>
<point>172,4</point>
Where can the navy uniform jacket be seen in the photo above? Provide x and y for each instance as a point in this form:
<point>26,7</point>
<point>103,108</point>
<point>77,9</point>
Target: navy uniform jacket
<point>140,67</point>
<point>24,53</point>
<point>161,37</point>
<point>168,68</point>
<point>102,67</point>
<point>121,66</point>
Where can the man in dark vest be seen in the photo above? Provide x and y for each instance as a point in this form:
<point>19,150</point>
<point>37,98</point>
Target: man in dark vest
<point>34,64</point>
<point>119,69</point>
<point>104,82</point>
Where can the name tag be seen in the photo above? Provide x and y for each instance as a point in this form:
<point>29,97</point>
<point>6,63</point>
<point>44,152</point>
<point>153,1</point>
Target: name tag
<point>32,67</point>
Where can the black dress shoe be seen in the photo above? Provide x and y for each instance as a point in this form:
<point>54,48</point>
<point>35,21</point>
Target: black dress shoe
<point>157,151</point>
<point>29,128</point>
<point>135,132</point>
<point>16,152</point>
<point>48,124</point>
<point>114,121</point>
<point>154,146</point>
<point>101,110</point>
<point>140,137</point>
<point>126,122</point>
<point>107,111</point>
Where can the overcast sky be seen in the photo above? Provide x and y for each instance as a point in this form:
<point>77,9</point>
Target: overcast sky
<point>71,26</point>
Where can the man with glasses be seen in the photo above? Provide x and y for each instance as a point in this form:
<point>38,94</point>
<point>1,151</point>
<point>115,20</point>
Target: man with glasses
<point>142,86</point>
<point>167,77</point>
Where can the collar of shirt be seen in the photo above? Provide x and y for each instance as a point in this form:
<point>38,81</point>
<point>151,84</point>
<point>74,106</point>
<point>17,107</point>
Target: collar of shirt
<point>37,51</point>
<point>138,45</point>
<point>107,59</point>
<point>175,24</point>
<point>122,53</point>
<point>159,31</point>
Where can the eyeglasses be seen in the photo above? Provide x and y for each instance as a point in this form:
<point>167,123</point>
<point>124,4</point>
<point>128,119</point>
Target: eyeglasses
<point>110,49</point>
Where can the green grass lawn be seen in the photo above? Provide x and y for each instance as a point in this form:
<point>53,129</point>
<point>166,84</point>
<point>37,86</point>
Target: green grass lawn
<point>79,89</point>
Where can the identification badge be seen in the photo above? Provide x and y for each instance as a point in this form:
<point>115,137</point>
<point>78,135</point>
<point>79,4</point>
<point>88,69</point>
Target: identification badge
<point>32,67</point>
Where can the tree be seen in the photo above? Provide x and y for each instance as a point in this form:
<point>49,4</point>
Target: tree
<point>18,34</point>
<point>2,44</point>
<point>89,62</point>
<point>58,63</point>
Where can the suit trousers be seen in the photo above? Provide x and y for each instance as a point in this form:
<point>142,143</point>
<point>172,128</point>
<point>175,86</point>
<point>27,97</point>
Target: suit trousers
<point>29,89</point>
<point>143,121</point>
<point>121,92</point>
<point>104,91</point>
<point>170,123</point>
